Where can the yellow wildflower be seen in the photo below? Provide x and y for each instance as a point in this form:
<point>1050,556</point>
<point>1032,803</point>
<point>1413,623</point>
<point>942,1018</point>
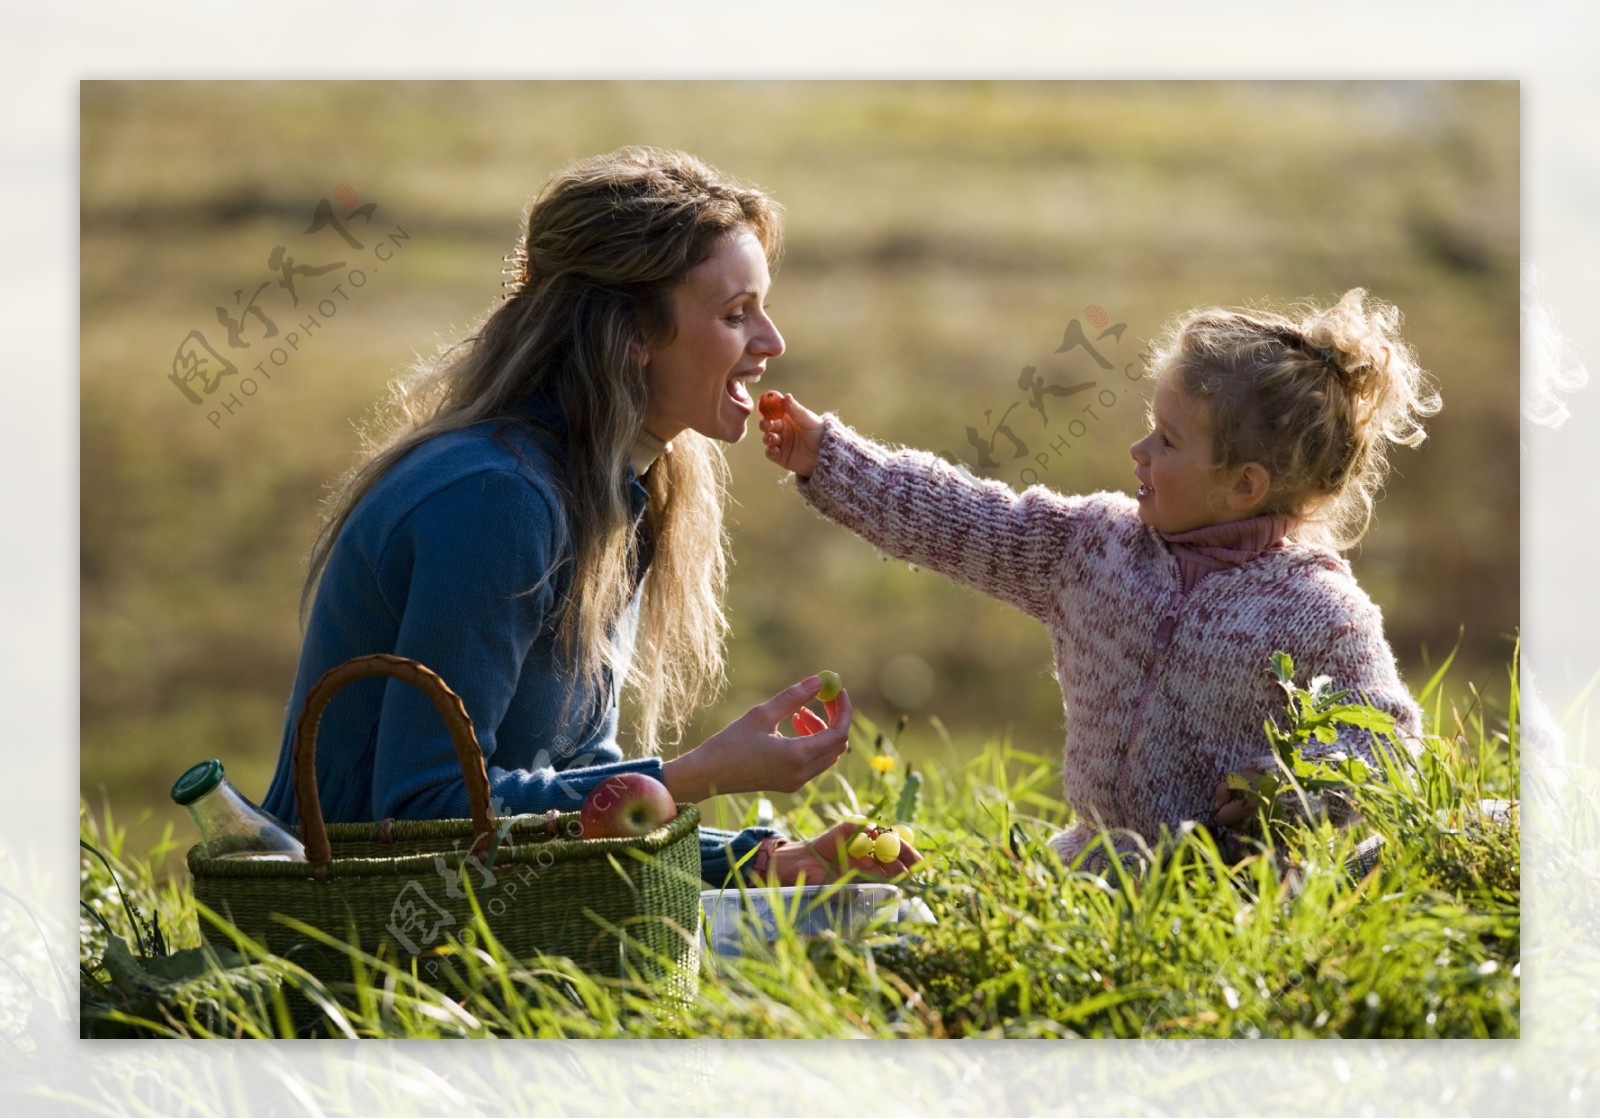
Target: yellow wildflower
<point>882,763</point>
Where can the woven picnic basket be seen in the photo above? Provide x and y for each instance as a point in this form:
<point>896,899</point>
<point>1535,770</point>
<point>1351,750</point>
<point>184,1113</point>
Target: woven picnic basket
<point>399,888</point>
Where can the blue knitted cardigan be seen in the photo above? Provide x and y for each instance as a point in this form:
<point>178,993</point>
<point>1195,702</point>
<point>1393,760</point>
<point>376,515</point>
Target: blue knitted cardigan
<point>444,560</point>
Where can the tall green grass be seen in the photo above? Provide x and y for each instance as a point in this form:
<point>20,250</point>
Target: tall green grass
<point>1287,943</point>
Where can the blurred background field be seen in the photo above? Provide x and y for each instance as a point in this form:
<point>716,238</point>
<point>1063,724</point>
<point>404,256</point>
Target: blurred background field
<point>941,237</point>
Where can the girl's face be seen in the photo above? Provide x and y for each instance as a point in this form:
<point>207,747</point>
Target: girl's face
<point>721,342</point>
<point>1180,487</point>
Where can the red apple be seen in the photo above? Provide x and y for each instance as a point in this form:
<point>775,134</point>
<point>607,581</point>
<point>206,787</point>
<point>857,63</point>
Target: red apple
<point>626,806</point>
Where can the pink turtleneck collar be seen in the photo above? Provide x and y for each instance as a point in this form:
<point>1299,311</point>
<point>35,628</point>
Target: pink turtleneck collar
<point>1201,551</point>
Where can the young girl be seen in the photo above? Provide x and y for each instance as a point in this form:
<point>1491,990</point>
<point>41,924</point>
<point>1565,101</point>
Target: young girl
<point>1267,443</point>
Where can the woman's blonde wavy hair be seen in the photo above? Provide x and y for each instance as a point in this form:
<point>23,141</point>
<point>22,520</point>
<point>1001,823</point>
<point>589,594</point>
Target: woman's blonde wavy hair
<point>605,241</point>
<point>1314,394</point>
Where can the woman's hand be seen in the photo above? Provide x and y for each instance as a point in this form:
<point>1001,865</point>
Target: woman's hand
<point>824,859</point>
<point>750,756</point>
<point>793,439</point>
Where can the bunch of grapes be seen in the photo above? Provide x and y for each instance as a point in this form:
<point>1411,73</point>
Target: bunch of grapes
<point>881,843</point>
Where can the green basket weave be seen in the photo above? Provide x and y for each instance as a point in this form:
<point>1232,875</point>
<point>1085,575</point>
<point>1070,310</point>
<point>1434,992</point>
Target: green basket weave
<point>399,888</point>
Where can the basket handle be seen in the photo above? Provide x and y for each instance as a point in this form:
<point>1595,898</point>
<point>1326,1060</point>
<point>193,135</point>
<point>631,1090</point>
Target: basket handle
<point>445,701</point>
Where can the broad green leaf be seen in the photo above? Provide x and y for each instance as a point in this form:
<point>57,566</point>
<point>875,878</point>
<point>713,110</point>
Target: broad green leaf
<point>189,964</point>
<point>1367,718</point>
<point>124,967</point>
<point>1283,668</point>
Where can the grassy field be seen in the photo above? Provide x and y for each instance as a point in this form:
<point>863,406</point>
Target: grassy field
<point>941,236</point>
<point>1426,944</point>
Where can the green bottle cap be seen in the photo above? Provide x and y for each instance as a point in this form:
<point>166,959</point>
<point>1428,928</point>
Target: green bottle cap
<point>197,781</point>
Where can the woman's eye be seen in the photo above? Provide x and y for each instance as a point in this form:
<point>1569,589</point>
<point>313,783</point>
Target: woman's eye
<point>738,317</point>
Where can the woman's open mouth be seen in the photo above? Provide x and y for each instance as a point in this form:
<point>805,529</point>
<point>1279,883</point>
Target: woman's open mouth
<point>1143,491</point>
<point>740,394</point>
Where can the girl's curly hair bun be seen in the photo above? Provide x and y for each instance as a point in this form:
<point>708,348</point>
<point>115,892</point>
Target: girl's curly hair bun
<point>1315,394</point>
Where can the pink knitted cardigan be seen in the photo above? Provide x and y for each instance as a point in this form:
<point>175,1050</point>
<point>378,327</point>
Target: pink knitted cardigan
<point>1165,692</point>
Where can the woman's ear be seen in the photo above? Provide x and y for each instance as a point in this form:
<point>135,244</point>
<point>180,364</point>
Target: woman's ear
<point>1250,487</point>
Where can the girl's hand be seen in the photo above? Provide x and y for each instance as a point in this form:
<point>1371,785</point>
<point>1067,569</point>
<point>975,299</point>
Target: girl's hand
<point>824,859</point>
<point>793,439</point>
<point>1233,808</point>
<point>750,756</point>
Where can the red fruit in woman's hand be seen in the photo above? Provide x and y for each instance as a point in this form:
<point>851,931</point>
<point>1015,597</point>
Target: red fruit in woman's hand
<point>771,405</point>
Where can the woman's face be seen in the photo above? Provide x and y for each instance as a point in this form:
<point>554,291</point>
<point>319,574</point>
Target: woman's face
<point>720,345</point>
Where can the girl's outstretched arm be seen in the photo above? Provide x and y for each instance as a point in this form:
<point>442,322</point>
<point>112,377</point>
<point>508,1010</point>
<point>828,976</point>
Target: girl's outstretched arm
<point>915,506</point>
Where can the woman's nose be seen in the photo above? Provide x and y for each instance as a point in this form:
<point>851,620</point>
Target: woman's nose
<point>769,342</point>
<point>1137,450</point>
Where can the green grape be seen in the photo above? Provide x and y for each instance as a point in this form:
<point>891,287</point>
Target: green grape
<point>831,685</point>
<point>904,832</point>
<point>886,848</point>
<point>860,845</point>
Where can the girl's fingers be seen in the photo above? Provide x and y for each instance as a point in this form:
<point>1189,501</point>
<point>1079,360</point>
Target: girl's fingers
<point>799,413</point>
<point>773,437</point>
<point>1234,813</point>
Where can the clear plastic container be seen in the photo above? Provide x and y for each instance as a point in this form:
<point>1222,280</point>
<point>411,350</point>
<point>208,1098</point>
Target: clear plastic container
<point>849,910</point>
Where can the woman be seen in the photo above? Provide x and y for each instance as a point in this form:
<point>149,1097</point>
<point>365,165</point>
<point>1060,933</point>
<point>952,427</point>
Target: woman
<point>544,523</point>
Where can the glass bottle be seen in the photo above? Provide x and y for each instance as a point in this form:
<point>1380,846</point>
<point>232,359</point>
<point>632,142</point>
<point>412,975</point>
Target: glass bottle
<point>230,826</point>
